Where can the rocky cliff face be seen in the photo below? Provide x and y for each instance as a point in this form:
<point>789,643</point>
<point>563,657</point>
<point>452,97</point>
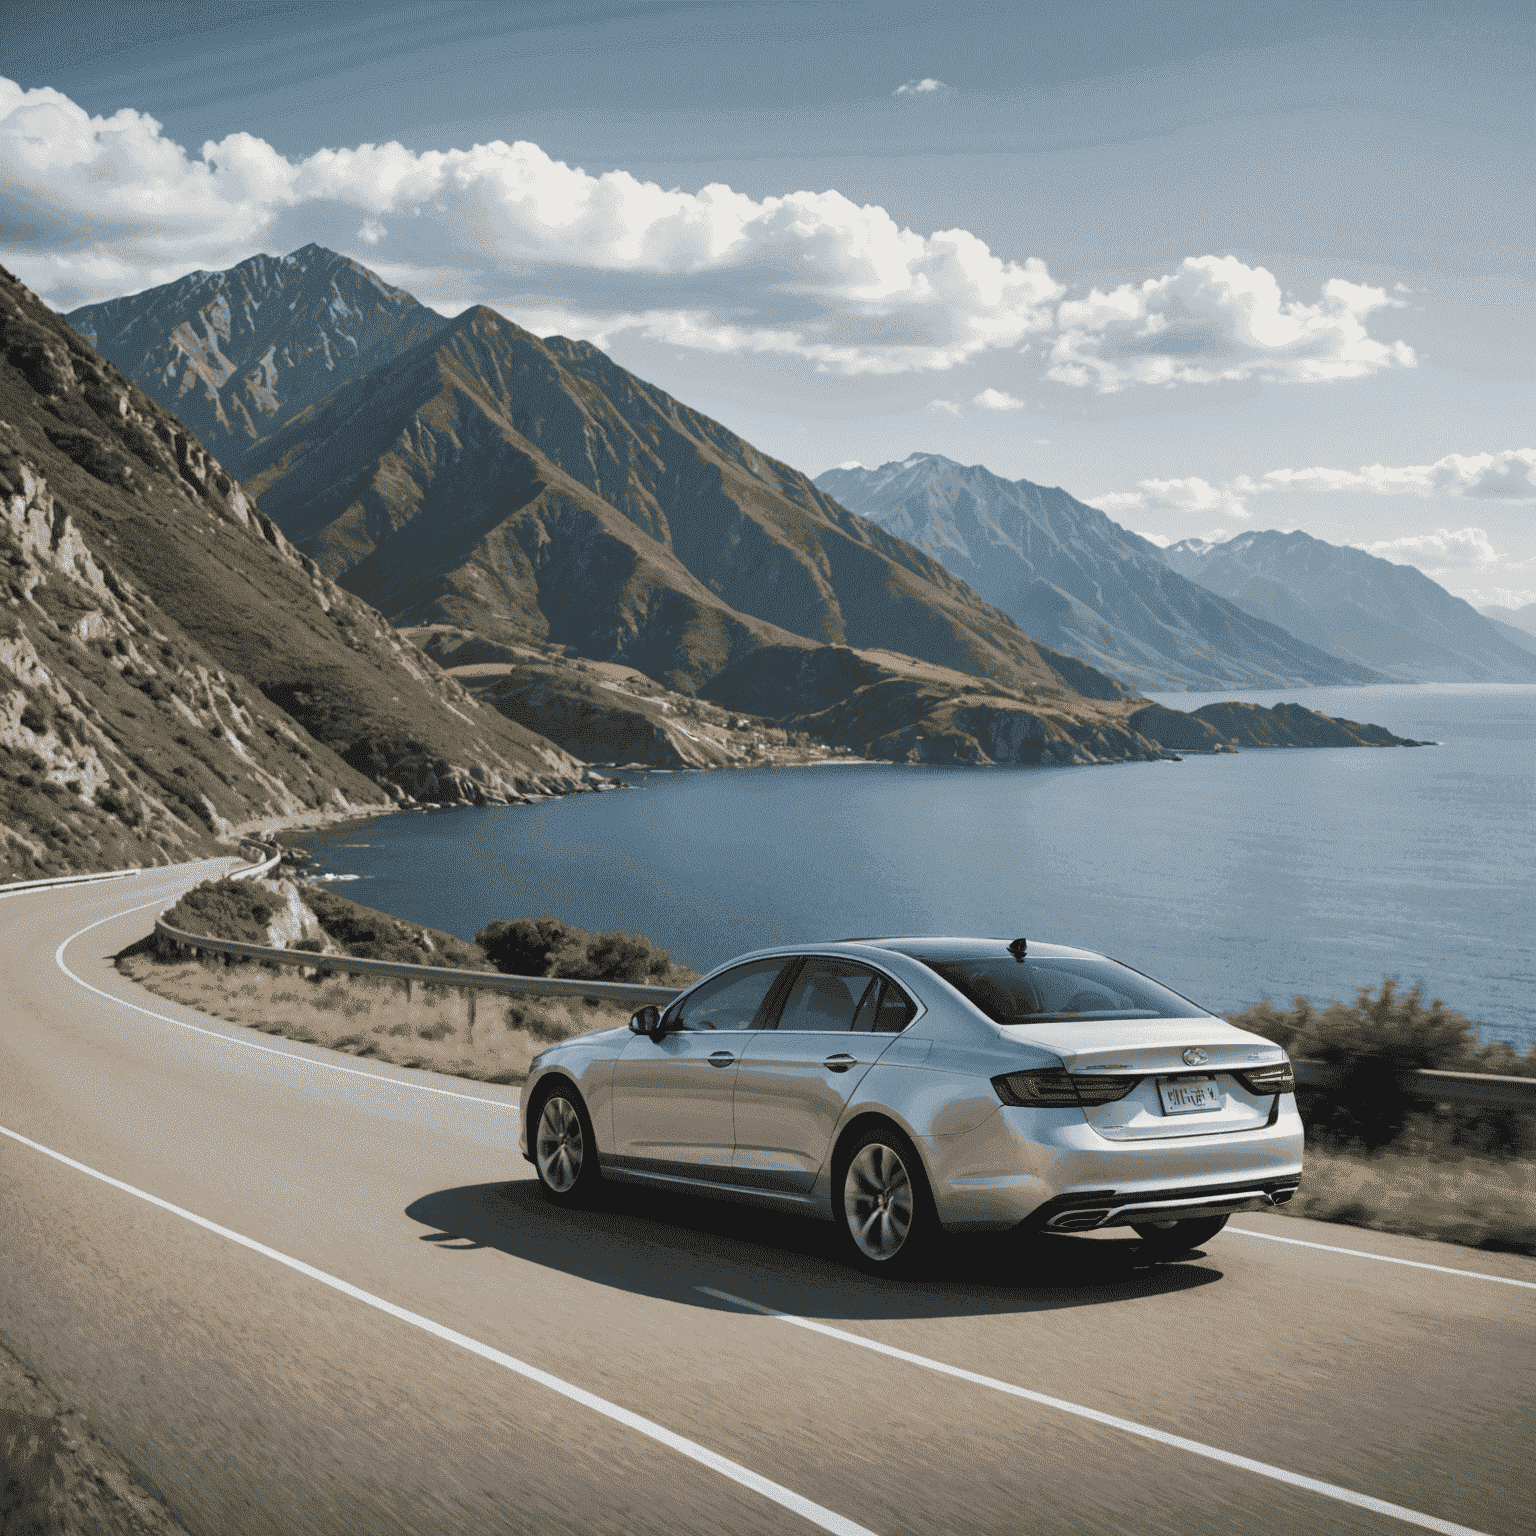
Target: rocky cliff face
<point>1356,606</point>
<point>170,667</point>
<point>235,354</point>
<point>1077,582</point>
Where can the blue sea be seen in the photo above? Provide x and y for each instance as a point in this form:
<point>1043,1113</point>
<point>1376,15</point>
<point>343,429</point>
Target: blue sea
<point>1265,873</point>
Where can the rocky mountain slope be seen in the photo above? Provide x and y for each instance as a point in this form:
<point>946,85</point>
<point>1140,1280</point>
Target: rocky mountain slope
<point>170,667</point>
<point>1230,725</point>
<point>235,354</point>
<point>1356,606</point>
<point>1078,582</point>
<point>608,713</point>
<point>533,490</point>
<point>1517,625</point>
<point>881,704</point>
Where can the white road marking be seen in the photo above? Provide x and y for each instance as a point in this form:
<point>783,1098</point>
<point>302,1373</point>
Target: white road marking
<point>250,1045</point>
<point>1211,1453</point>
<point>776,1492</point>
<point>1385,1258</point>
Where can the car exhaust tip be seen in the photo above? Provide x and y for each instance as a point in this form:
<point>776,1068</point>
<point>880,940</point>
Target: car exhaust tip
<point>1077,1221</point>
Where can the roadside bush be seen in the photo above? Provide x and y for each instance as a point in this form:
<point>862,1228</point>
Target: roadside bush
<point>226,909</point>
<point>369,935</point>
<point>1370,1043</point>
<point>545,946</point>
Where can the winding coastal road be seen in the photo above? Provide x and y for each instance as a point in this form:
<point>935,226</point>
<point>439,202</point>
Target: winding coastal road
<point>303,1293</point>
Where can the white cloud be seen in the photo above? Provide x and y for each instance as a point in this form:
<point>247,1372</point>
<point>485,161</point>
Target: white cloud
<point>927,86</point>
<point>1191,495</point>
<point>98,206</point>
<point>996,400</point>
<point>93,207</point>
<point>1499,597</point>
<point>949,407</point>
<point>1506,476</point>
<point>1217,319</point>
<point>1444,549</point>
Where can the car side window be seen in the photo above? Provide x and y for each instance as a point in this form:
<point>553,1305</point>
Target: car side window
<point>731,1001</point>
<point>895,1010</point>
<point>828,995</point>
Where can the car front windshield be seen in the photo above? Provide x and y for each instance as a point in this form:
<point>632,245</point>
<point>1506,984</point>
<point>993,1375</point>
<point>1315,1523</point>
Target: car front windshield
<point>1048,991</point>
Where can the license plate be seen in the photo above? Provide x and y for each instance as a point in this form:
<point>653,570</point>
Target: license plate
<point>1188,1095</point>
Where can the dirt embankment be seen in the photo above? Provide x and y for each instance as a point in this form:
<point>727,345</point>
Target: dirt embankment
<point>58,1477</point>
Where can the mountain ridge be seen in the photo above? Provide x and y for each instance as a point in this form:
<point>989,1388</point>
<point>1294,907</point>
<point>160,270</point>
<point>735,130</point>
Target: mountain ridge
<point>210,345</point>
<point>1078,582</point>
<point>1357,605</point>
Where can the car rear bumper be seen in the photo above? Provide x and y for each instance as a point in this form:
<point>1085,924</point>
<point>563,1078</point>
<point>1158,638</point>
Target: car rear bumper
<point>1029,1168</point>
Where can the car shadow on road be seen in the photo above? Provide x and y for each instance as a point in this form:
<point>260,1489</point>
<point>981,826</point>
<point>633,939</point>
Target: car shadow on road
<point>668,1245</point>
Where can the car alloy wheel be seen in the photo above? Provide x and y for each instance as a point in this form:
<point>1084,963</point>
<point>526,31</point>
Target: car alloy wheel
<point>884,1208</point>
<point>877,1202</point>
<point>563,1150</point>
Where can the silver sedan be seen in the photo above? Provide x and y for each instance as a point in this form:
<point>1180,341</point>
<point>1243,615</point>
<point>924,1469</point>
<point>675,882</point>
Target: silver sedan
<point>903,1088</point>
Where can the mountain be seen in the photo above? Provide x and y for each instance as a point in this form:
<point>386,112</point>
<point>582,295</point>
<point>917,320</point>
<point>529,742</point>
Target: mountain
<point>884,705</point>
<point>1356,606</point>
<point>1517,625</point>
<point>1231,724</point>
<point>235,354</point>
<point>170,667</point>
<point>1076,581</point>
<point>534,489</point>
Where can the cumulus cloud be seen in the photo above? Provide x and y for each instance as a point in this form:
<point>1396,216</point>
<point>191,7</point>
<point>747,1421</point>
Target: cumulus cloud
<point>99,205</point>
<point>1191,495</point>
<point>1444,548</point>
<point>996,400</point>
<point>1506,476</point>
<point>1217,319</point>
<point>92,207</point>
<point>949,407</point>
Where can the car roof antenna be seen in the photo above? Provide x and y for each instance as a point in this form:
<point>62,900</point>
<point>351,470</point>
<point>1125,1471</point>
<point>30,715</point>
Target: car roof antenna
<point>1018,949</point>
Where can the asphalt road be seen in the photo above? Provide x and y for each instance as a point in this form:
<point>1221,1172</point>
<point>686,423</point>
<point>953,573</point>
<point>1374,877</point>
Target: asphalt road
<point>324,1296</point>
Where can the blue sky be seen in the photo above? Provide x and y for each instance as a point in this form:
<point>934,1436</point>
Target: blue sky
<point>1215,267</point>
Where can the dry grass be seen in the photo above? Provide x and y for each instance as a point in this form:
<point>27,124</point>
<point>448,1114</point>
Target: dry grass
<point>1479,1202</point>
<point>370,1016</point>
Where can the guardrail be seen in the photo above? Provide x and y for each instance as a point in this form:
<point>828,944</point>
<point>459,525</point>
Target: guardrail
<point>1484,1088</point>
<point>42,885</point>
<point>1446,1087</point>
<point>426,975</point>
<point>271,856</point>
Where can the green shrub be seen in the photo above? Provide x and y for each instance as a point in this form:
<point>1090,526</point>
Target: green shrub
<point>1370,1043</point>
<point>545,946</point>
<point>369,935</point>
<point>226,909</point>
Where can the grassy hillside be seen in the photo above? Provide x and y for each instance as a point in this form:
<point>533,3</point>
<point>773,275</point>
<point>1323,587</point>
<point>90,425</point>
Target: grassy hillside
<point>169,666</point>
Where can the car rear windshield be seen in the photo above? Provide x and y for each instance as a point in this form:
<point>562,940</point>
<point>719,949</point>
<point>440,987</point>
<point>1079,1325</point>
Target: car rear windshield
<point>1045,991</point>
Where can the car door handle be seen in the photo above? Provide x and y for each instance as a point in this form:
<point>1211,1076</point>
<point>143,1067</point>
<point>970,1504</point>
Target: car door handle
<point>840,1062</point>
<point>720,1058</point>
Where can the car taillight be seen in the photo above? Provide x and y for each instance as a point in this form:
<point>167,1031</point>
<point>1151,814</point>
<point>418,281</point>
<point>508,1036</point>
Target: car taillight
<point>1277,1077</point>
<point>1052,1088</point>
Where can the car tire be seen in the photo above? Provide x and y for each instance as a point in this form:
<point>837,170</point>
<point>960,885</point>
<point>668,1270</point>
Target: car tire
<point>1164,1239</point>
<point>564,1148</point>
<point>886,1221</point>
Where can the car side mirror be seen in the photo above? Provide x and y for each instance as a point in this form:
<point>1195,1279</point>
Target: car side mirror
<point>647,1021</point>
